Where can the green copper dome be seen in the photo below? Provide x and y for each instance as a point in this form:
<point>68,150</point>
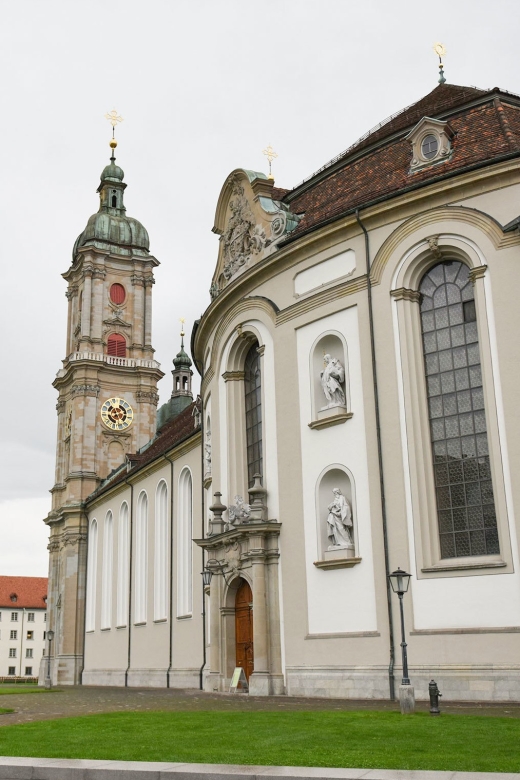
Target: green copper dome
<point>110,229</point>
<point>181,359</point>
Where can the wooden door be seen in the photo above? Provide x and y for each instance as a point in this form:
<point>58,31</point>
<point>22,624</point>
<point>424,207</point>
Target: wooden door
<point>244,628</point>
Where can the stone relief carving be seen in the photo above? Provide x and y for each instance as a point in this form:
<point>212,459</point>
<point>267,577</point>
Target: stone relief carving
<point>92,390</point>
<point>332,378</point>
<point>433,243</point>
<point>242,237</point>
<point>339,522</point>
<point>239,512</point>
<point>233,557</point>
<point>207,453</point>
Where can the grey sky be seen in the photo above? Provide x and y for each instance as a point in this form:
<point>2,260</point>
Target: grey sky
<point>203,86</point>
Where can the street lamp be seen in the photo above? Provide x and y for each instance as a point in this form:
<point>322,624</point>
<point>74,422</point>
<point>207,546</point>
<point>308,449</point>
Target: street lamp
<point>400,581</point>
<point>50,637</point>
<point>207,574</point>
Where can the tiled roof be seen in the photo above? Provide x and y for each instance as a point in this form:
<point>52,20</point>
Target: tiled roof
<point>170,435</point>
<point>374,169</point>
<point>29,592</point>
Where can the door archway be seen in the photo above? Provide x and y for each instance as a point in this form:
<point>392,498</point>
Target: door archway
<point>244,628</point>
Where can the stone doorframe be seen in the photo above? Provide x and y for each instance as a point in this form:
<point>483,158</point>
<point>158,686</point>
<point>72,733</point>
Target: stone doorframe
<point>248,551</point>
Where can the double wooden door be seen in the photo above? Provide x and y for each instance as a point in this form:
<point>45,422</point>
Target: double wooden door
<point>244,628</point>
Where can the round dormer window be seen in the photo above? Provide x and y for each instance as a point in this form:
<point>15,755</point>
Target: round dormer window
<point>429,146</point>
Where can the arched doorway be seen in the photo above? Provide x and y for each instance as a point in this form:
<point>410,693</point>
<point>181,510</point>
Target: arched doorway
<point>244,628</point>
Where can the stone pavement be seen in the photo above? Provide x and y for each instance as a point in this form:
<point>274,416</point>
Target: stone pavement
<point>76,769</point>
<point>86,700</point>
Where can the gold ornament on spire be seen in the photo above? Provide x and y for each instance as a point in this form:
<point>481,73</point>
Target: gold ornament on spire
<point>114,119</point>
<point>182,321</point>
<point>440,51</point>
<point>271,155</point>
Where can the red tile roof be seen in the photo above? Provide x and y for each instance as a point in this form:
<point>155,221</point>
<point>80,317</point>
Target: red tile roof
<point>486,127</point>
<point>29,592</point>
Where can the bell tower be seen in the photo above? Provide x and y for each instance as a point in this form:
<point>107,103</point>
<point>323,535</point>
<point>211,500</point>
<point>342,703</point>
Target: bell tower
<point>107,396</point>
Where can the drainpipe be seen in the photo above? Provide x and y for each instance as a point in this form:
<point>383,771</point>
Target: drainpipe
<point>130,579</point>
<point>391,682</point>
<point>203,496</point>
<point>170,655</point>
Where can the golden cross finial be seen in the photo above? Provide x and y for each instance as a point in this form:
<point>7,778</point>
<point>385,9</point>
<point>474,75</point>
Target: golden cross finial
<point>271,155</point>
<point>440,51</point>
<point>182,321</point>
<point>113,118</point>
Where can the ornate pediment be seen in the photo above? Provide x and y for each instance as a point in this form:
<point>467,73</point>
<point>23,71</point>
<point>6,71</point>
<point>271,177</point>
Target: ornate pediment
<point>250,224</point>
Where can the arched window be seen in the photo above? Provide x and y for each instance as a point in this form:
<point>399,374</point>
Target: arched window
<point>116,345</point>
<point>463,486</point>
<point>253,405</point>
<point>123,566</point>
<point>90,616</point>
<point>106,577</point>
<point>184,548</point>
<point>160,602</point>
<point>141,555</point>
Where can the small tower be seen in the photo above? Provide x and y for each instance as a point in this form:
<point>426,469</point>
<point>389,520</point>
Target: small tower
<point>107,396</point>
<point>182,395</point>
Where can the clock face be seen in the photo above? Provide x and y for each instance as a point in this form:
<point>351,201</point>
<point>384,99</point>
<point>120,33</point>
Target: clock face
<point>117,414</point>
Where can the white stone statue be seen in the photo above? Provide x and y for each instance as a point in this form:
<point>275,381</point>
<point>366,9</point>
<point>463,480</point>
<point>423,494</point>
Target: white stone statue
<point>332,378</point>
<point>239,511</point>
<point>339,521</point>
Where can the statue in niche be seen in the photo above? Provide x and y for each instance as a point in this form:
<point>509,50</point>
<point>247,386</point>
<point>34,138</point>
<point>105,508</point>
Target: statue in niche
<point>239,512</point>
<point>332,378</point>
<point>339,522</point>
<point>207,452</point>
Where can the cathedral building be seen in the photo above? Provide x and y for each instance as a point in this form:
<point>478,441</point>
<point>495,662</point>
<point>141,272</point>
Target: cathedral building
<point>359,381</point>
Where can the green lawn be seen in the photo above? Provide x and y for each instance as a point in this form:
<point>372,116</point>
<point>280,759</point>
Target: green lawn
<point>5,690</point>
<point>336,739</point>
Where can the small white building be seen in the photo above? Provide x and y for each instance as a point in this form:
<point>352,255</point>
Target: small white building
<point>23,617</point>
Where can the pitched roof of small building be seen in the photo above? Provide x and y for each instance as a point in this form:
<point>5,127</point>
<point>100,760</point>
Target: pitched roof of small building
<point>20,592</point>
<point>485,126</point>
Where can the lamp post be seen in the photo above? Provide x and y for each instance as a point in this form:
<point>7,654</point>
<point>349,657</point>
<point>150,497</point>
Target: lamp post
<point>50,637</point>
<point>400,582</point>
<point>207,574</point>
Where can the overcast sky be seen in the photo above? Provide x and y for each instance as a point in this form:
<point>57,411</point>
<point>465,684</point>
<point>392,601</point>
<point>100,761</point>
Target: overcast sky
<point>203,86</point>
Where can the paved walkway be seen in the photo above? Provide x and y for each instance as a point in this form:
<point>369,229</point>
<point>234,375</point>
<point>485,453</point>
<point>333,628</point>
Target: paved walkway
<point>83,700</point>
<point>77,769</point>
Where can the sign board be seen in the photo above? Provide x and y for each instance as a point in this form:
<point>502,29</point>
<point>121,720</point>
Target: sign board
<point>239,678</point>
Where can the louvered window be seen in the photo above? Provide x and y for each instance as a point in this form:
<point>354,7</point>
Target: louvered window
<point>116,345</point>
<point>117,293</point>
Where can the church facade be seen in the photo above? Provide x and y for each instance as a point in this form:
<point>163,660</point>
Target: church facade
<point>359,381</point>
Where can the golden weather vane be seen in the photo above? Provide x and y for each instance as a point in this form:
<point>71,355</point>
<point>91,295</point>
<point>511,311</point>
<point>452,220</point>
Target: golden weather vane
<point>271,155</point>
<point>440,51</point>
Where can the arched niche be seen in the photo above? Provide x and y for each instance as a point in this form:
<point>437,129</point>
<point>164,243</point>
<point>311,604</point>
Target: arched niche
<point>330,390</point>
<point>336,545</point>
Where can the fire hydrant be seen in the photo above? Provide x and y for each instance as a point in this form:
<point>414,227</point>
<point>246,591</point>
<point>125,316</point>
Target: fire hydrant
<point>434,698</point>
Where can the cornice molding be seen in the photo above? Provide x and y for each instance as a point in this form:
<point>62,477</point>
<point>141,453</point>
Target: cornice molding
<point>404,294</point>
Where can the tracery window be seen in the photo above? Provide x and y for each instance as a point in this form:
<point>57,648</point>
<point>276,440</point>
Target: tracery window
<point>253,404</point>
<point>462,472</point>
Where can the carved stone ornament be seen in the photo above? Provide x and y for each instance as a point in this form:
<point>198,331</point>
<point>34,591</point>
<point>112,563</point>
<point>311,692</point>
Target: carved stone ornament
<point>433,243</point>
<point>207,453</point>
<point>233,557</point>
<point>242,238</point>
<point>239,512</point>
<point>92,390</point>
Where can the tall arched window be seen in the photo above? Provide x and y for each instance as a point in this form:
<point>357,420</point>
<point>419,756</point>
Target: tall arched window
<point>106,576</point>
<point>463,486</point>
<point>90,616</point>
<point>160,601</point>
<point>184,548</point>
<point>123,566</point>
<point>253,403</point>
<point>116,345</point>
<point>141,555</point>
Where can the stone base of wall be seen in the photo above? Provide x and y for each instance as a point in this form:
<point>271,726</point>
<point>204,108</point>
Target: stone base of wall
<point>456,683</point>
<point>142,678</point>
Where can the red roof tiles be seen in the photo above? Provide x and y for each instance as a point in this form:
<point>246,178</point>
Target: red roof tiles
<point>376,168</point>
<point>29,592</point>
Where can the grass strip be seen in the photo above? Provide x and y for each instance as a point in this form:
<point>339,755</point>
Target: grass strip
<point>467,743</point>
<point>6,690</point>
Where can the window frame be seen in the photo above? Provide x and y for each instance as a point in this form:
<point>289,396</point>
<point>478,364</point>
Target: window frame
<point>415,428</point>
